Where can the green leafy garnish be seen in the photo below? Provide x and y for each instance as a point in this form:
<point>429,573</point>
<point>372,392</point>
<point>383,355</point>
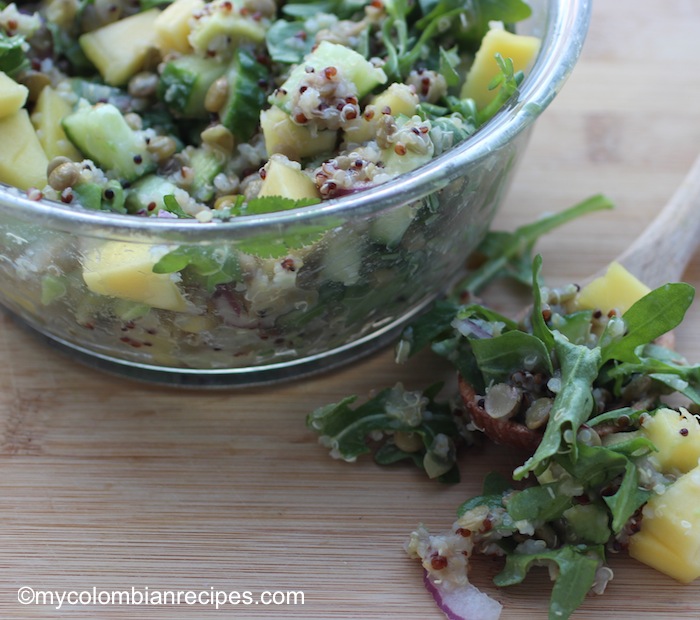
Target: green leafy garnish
<point>13,57</point>
<point>288,42</point>
<point>407,425</point>
<point>209,265</point>
<point>652,316</point>
<point>577,570</point>
<point>510,254</point>
<point>572,405</point>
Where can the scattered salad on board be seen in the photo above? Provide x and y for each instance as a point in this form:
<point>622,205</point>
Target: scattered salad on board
<point>581,387</point>
<point>208,111</point>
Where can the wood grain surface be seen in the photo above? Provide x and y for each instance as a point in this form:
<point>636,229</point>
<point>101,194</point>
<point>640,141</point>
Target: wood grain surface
<point>110,484</point>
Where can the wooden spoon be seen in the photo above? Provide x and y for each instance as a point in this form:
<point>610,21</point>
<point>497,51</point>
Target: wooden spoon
<point>662,252</point>
<point>658,256</point>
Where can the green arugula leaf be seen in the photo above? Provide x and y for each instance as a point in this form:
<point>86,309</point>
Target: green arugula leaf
<point>677,384</point>
<point>539,326</point>
<point>428,327</point>
<point>628,413</point>
<point>272,204</point>
<point>495,483</point>
<point>656,313</point>
<point>171,205</point>
<point>539,504</point>
<point>499,357</point>
<point>210,265</point>
<point>577,569</point>
<point>628,498</point>
<point>587,524</point>
<point>508,11</point>
<point>575,326</point>
<point>663,366</point>
<point>343,9</point>
<point>594,466</point>
<point>347,430</point>
<point>505,251</point>
<point>271,245</point>
<point>572,405</point>
<point>493,501</point>
<point>288,42</point>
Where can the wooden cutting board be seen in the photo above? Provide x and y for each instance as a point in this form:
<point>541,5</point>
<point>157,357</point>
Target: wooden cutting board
<point>109,484</point>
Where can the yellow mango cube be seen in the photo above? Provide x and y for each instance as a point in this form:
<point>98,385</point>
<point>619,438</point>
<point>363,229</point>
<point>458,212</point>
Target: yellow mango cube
<point>618,289</point>
<point>23,162</point>
<point>13,96</point>
<point>395,100</point>
<point>521,49</point>
<point>283,178</point>
<point>677,439</point>
<point>282,135</point>
<point>173,26</point>
<point>125,270</point>
<point>669,538</point>
<point>49,111</point>
<point>119,49</point>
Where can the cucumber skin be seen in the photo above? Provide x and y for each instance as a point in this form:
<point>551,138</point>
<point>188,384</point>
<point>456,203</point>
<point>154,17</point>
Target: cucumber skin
<point>184,83</point>
<point>247,95</point>
<point>101,134</point>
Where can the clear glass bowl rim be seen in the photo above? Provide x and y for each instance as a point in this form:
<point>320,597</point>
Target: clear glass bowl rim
<point>567,26</point>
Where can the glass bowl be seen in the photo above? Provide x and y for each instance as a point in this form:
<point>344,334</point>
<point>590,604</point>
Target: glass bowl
<point>339,279</point>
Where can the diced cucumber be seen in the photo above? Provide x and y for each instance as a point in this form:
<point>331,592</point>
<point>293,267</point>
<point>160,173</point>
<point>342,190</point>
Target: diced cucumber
<point>101,134</point>
<point>89,195</point>
<point>96,92</point>
<point>146,195</point>
<point>246,95</point>
<point>110,197</point>
<point>184,83</point>
<point>206,163</point>
<point>221,28</point>
<point>343,258</point>
<point>388,228</point>
<point>352,65</point>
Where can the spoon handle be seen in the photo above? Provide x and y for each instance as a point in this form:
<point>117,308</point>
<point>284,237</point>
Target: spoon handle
<point>662,252</point>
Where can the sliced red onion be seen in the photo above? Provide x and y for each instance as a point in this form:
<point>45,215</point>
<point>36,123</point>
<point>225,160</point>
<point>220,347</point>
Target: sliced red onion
<point>464,602</point>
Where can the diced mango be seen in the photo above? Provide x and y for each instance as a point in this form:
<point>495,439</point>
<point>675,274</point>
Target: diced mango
<point>395,100</point>
<point>22,160</point>
<point>617,289</point>
<point>521,49</point>
<point>284,179</point>
<point>13,96</point>
<point>119,49</point>
<point>677,439</point>
<point>60,12</point>
<point>49,111</point>
<point>125,270</point>
<point>173,26</point>
<point>282,135</point>
<point>669,539</point>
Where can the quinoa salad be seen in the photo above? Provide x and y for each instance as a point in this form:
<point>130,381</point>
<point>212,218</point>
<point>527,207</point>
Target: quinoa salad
<point>214,113</point>
<point>216,104</point>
